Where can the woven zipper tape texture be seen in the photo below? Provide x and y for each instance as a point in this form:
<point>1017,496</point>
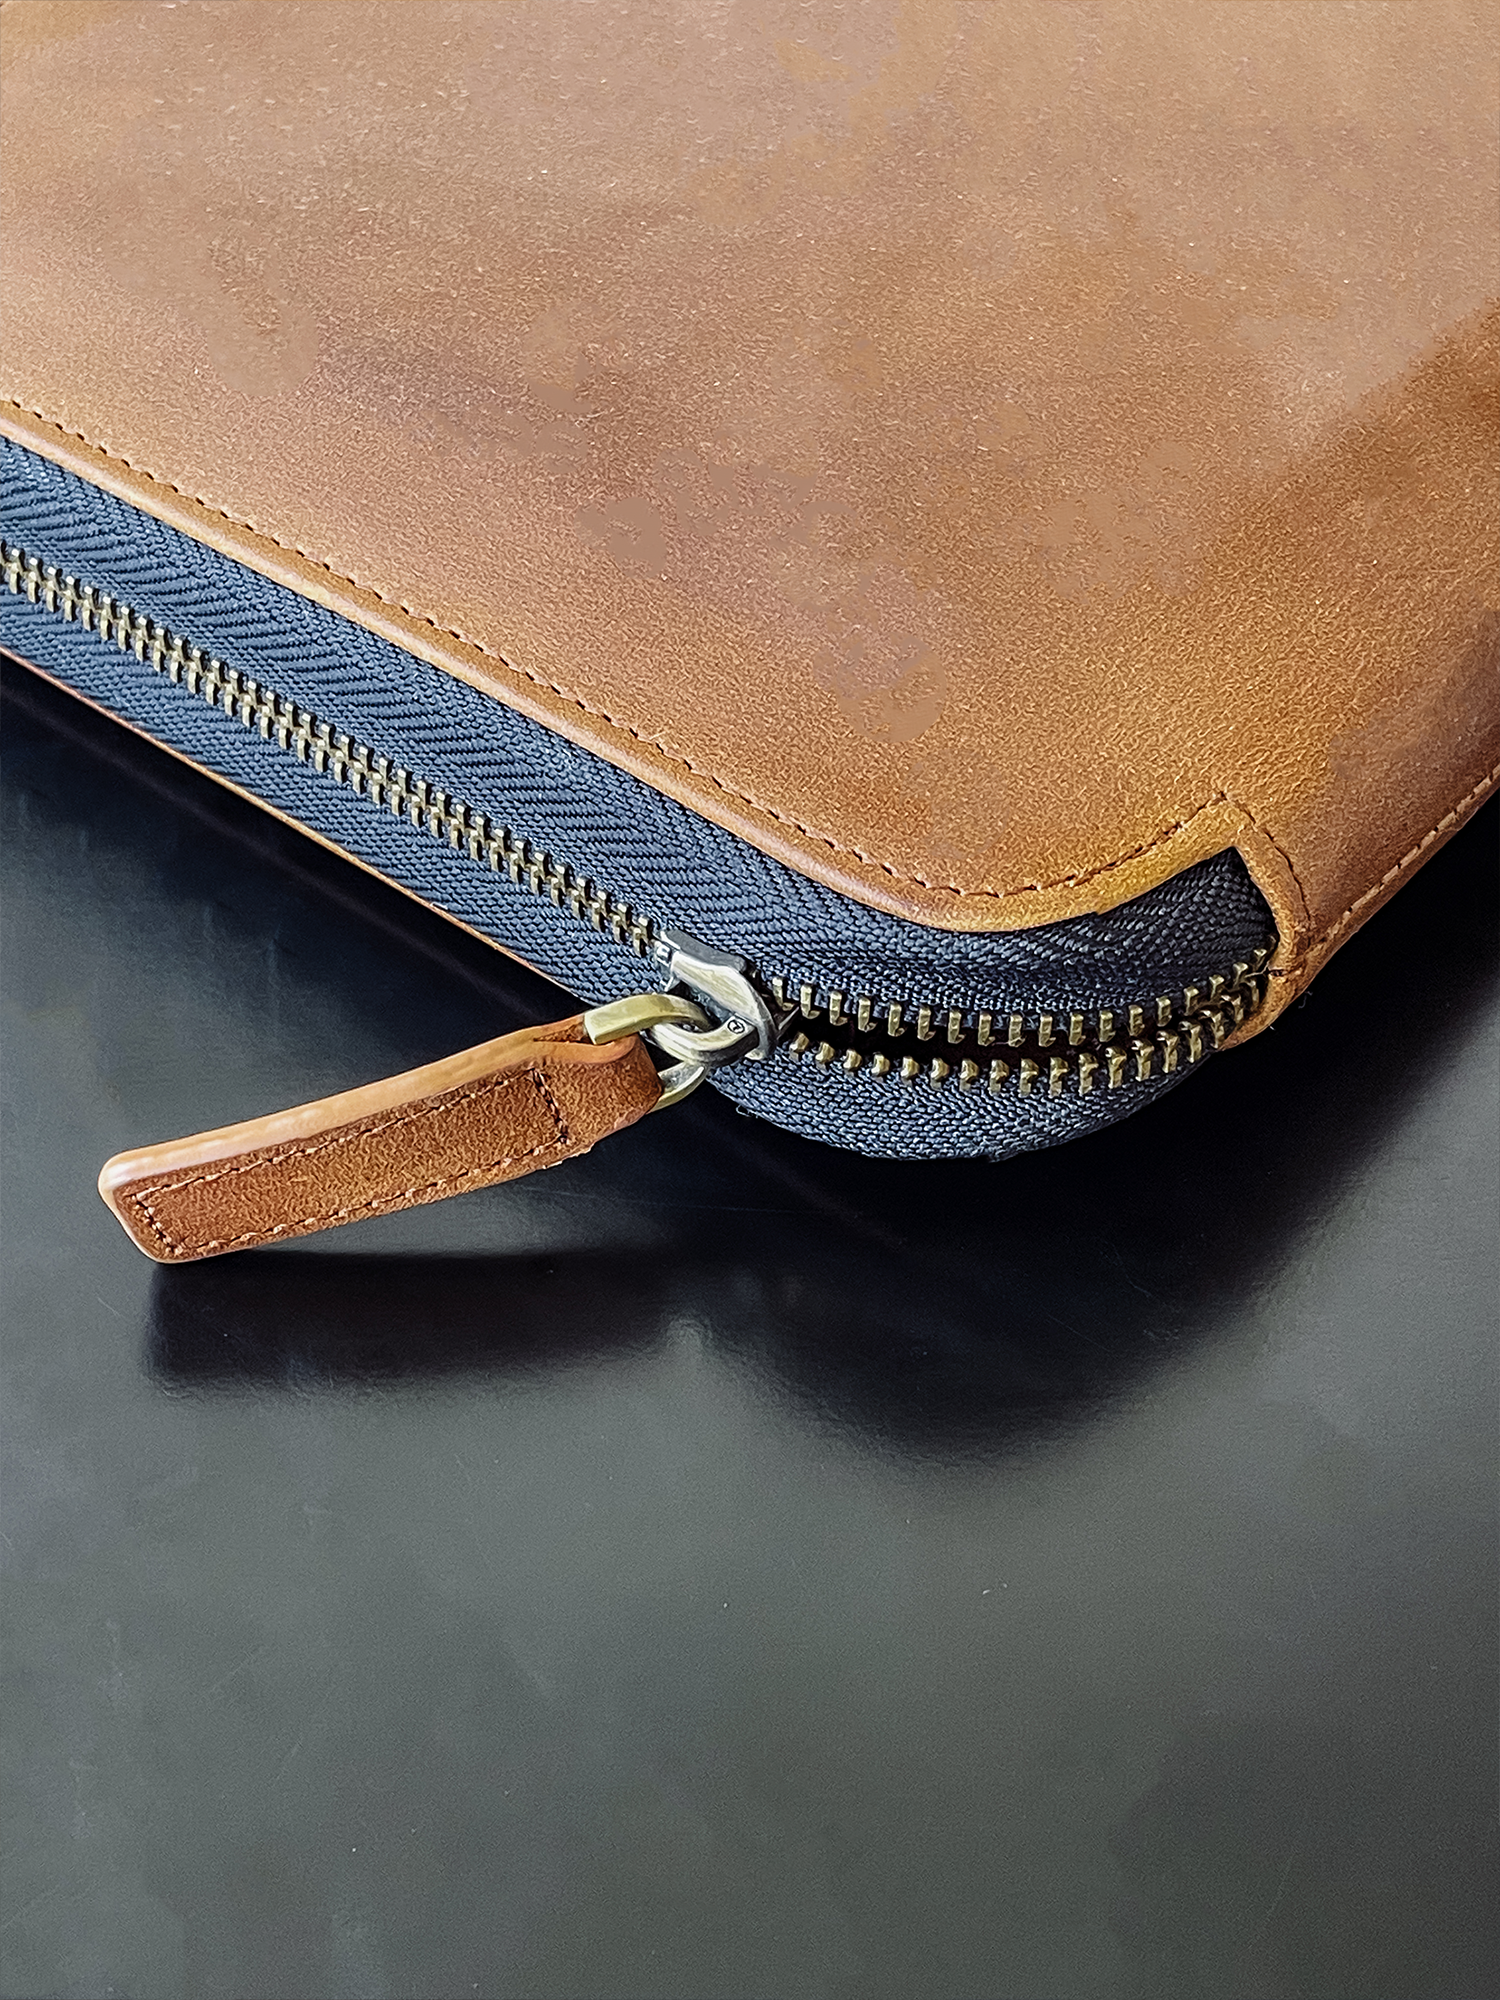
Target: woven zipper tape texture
<point>674,867</point>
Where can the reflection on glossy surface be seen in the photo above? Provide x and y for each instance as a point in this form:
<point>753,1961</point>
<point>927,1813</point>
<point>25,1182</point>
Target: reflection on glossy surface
<point>722,1566</point>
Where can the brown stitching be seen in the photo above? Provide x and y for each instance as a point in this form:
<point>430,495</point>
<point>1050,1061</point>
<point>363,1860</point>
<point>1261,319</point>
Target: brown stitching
<point>347,1133</point>
<point>377,1203</point>
<point>1444,825</point>
<point>475,645</point>
<point>138,1198</point>
<point>1469,798</point>
<point>1277,849</point>
<point>1070,879</point>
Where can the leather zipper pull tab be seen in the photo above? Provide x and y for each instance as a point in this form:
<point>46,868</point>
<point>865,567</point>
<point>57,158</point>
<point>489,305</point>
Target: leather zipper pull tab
<point>493,1113</point>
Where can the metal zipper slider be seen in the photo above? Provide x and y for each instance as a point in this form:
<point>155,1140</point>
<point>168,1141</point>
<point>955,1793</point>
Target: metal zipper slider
<point>711,1012</point>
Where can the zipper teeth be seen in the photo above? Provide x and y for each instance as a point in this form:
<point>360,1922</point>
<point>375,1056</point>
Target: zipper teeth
<point>329,751</point>
<point>1047,1053</point>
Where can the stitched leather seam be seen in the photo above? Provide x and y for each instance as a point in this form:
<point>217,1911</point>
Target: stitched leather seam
<point>1277,849</point>
<point>1444,825</point>
<point>346,1135</point>
<point>1068,879</point>
<point>561,1137</point>
<point>1407,860</point>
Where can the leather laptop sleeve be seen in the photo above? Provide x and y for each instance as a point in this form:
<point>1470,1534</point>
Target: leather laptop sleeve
<point>948,550</point>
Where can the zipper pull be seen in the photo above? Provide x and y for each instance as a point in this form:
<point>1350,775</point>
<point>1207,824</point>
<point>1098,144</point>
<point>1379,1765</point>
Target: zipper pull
<point>493,1113</point>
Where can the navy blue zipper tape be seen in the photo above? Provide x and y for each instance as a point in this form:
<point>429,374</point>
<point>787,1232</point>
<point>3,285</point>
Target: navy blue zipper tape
<point>677,869</point>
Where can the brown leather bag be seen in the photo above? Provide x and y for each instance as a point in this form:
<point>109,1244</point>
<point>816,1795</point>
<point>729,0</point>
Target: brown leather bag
<point>963,537</point>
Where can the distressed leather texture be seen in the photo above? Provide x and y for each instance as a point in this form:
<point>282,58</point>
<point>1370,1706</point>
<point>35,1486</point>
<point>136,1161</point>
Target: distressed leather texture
<point>493,1113</point>
<point>989,457</point>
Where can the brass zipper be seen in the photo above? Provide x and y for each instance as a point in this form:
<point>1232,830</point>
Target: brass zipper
<point>992,1050</point>
<point>331,752</point>
<point>1102,1048</point>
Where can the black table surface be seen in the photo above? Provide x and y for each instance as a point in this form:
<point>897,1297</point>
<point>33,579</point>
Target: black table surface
<point>724,1566</point>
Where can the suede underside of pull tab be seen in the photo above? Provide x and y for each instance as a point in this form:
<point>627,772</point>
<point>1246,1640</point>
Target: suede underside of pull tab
<point>492,1113</point>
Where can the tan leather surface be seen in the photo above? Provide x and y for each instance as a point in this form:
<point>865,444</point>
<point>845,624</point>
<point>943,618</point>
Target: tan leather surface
<point>493,1113</point>
<point>988,456</point>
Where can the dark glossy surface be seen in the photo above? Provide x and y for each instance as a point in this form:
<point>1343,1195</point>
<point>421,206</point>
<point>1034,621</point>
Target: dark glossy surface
<point>722,1566</point>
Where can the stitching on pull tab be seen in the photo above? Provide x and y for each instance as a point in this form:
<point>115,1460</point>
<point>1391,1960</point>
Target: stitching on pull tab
<point>139,1199</point>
